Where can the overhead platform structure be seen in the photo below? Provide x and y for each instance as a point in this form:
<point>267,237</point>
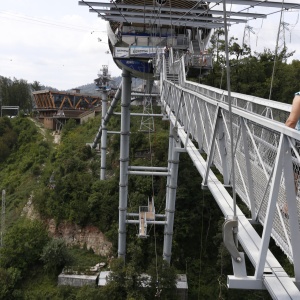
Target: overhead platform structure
<point>235,131</point>
<point>136,32</point>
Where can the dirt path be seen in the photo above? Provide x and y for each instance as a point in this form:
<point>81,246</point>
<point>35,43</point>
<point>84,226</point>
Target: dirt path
<point>56,136</point>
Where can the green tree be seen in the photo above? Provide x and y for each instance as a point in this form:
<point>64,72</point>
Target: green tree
<point>23,245</point>
<point>36,86</point>
<point>90,293</point>
<point>8,138</point>
<point>8,281</point>
<point>163,279</point>
<point>116,286</point>
<point>16,92</point>
<point>55,256</point>
<point>252,73</point>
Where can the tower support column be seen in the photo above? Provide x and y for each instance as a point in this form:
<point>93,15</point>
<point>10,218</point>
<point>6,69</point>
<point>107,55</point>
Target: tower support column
<point>173,162</point>
<point>124,160</point>
<point>104,135</point>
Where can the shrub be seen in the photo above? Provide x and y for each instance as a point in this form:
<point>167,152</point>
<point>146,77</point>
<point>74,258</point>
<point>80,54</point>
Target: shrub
<point>23,245</point>
<point>55,256</point>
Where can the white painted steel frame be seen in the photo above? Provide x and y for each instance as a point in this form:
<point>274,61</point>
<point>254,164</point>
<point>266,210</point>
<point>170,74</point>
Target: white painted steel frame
<point>186,17</point>
<point>279,285</point>
<point>167,9</point>
<point>196,23</point>
<point>195,113</point>
<point>195,20</point>
<point>260,3</point>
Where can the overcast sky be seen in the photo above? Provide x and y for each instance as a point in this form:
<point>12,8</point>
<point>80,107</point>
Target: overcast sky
<point>55,42</point>
<point>63,45</point>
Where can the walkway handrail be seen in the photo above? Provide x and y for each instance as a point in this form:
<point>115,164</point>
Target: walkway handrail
<point>266,159</point>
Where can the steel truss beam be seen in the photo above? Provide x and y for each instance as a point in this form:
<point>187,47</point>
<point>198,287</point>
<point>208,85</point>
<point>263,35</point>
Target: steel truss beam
<point>198,12</point>
<point>259,3</point>
<point>196,16</point>
<point>140,114</point>
<point>160,17</point>
<point>162,21</point>
<point>182,10</point>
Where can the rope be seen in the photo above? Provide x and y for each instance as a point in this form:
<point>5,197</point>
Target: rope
<point>222,74</point>
<point>171,17</point>
<point>144,12</point>
<point>221,275</point>
<point>152,185</point>
<point>201,246</point>
<point>276,51</point>
<point>155,243</point>
<point>230,111</point>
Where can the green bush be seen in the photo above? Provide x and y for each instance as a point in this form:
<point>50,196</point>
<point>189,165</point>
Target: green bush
<point>8,280</point>
<point>55,256</point>
<point>23,245</point>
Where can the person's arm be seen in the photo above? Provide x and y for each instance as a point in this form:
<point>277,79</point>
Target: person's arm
<point>295,113</point>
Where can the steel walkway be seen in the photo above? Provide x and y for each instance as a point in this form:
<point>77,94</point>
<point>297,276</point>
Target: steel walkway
<point>267,169</point>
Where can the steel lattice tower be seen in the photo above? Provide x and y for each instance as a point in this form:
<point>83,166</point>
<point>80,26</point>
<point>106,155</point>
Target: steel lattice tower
<point>147,122</point>
<point>246,38</point>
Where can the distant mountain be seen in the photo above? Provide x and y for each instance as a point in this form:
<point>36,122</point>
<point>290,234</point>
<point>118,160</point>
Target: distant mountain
<point>91,88</point>
<point>46,87</point>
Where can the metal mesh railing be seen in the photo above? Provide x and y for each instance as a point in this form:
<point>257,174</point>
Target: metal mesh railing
<point>201,110</point>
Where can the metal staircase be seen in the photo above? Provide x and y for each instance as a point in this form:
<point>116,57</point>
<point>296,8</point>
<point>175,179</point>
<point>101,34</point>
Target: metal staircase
<point>196,47</point>
<point>170,76</point>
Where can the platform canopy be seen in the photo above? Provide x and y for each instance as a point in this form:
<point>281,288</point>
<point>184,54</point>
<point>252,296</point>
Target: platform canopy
<point>189,13</point>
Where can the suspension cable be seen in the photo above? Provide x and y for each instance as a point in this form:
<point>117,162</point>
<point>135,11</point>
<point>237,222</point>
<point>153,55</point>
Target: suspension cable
<point>201,247</point>
<point>276,51</point>
<point>230,110</point>
<point>152,186</point>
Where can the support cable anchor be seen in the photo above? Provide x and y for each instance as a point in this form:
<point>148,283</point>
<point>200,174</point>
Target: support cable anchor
<point>228,232</point>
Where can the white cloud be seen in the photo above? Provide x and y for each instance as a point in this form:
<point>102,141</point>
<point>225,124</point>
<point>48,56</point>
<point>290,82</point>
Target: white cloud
<point>266,30</point>
<point>57,42</point>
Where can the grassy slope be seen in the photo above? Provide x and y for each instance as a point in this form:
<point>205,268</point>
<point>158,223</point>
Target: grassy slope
<point>26,170</point>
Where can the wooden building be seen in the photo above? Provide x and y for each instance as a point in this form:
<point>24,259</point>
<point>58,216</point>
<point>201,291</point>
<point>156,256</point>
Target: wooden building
<point>54,108</point>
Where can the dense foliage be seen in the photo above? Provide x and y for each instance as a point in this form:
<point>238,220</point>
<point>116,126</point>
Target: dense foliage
<point>55,256</point>
<point>17,93</point>
<point>252,74</point>
<point>23,244</point>
<point>8,138</point>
